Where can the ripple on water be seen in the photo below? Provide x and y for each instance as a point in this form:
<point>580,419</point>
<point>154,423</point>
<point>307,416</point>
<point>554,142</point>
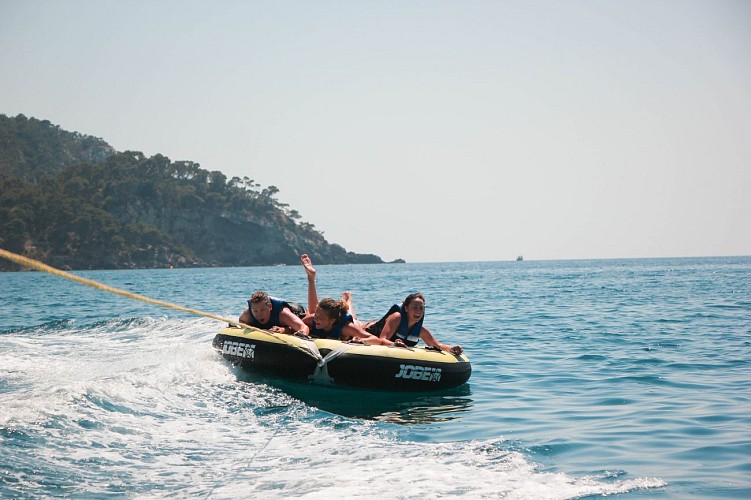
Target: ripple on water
<point>589,378</point>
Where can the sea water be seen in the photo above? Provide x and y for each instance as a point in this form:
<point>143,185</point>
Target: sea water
<point>627,378</point>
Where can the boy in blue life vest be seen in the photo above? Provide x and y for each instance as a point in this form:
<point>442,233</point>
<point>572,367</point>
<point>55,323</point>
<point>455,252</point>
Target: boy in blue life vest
<point>270,313</point>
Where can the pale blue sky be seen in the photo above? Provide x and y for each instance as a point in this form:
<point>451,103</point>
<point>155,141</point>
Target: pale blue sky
<point>431,131</point>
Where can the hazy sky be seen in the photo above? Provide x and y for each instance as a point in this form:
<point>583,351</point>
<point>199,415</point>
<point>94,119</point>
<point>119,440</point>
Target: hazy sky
<point>426,130</point>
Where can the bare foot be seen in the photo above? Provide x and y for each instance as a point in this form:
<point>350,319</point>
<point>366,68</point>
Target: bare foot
<point>308,265</point>
<point>347,298</point>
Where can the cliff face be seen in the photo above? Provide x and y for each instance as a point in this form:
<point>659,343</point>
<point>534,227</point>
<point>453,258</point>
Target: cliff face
<point>74,202</point>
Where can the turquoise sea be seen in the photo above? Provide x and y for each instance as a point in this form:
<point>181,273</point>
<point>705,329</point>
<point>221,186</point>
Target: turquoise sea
<point>625,378</point>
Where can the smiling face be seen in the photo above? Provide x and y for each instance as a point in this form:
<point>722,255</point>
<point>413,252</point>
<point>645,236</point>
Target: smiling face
<point>328,312</point>
<point>415,309</point>
<point>323,321</point>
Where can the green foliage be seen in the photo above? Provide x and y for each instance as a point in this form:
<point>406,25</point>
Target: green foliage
<point>71,200</point>
<point>33,149</point>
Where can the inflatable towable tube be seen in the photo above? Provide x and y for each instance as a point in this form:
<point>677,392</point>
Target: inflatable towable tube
<point>342,363</point>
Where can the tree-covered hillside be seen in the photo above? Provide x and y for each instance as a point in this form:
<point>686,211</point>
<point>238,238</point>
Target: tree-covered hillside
<point>72,201</point>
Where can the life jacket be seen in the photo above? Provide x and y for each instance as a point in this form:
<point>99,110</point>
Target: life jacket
<point>277,305</point>
<point>335,333</point>
<point>410,336</point>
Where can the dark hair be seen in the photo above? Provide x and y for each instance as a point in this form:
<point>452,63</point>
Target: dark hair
<point>411,297</point>
<point>333,308</point>
<point>259,297</point>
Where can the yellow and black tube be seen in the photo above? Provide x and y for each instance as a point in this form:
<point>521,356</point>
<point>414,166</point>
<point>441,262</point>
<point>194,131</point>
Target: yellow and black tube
<point>358,365</point>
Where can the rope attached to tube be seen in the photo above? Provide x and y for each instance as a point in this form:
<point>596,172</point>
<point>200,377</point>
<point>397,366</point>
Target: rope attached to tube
<point>40,266</point>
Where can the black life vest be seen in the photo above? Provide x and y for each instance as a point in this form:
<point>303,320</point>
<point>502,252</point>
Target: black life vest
<point>335,333</point>
<point>277,305</point>
<point>410,336</point>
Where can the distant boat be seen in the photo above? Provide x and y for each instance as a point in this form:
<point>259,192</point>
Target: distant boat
<point>519,258</point>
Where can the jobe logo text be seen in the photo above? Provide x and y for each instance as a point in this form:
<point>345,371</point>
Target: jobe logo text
<point>239,349</point>
<point>419,373</point>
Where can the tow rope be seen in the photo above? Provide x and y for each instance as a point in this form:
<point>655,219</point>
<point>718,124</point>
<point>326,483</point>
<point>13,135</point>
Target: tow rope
<point>40,266</point>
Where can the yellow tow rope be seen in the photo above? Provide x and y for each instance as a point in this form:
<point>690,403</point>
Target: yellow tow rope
<point>40,266</point>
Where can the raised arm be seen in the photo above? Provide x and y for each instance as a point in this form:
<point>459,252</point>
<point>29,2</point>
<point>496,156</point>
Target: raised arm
<point>312,291</point>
